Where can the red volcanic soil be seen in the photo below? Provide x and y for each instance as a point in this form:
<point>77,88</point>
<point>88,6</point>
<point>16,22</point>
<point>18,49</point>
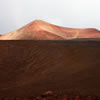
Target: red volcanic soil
<point>40,30</point>
<point>29,68</point>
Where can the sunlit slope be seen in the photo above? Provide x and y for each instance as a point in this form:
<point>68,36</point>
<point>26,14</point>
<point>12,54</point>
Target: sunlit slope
<point>41,30</point>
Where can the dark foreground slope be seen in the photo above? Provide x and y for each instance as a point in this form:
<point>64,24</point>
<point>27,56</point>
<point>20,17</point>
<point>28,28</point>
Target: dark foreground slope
<point>32,67</point>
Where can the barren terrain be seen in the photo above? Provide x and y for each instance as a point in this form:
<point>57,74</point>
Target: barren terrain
<point>41,30</point>
<point>32,67</point>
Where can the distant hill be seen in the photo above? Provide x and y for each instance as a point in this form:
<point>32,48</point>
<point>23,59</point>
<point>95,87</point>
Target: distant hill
<point>41,30</point>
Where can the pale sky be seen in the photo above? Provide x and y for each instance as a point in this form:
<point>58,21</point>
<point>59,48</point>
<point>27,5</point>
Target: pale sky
<point>68,13</point>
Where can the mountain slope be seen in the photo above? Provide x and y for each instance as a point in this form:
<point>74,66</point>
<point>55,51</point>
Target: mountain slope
<point>32,67</point>
<point>40,30</point>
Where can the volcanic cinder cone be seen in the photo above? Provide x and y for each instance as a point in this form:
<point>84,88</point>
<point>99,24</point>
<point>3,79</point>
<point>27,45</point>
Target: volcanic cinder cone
<point>40,30</point>
<point>30,68</point>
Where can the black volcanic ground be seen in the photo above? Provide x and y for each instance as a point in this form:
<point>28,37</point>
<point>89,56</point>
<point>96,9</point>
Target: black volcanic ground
<point>33,67</point>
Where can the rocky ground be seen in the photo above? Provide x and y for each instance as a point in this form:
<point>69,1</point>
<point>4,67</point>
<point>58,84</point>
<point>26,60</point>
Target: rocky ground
<point>50,96</point>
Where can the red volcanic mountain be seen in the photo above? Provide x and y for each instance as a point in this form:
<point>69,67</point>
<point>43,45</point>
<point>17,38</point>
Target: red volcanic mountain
<point>30,68</point>
<point>40,30</point>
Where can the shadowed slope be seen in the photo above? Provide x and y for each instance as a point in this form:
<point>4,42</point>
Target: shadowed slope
<point>40,30</point>
<point>33,67</point>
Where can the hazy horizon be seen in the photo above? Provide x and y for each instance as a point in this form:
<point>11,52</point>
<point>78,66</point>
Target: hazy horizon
<point>67,13</point>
